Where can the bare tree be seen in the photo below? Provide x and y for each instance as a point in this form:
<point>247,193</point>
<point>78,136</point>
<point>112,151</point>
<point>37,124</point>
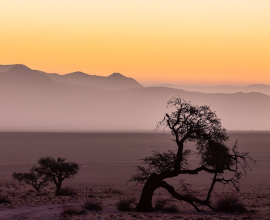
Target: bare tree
<point>18,176</point>
<point>198,124</point>
<point>35,179</point>
<point>57,170</point>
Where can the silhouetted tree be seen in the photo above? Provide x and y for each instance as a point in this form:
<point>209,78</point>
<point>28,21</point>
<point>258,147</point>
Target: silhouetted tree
<point>35,179</point>
<point>56,170</point>
<point>198,124</point>
<point>18,176</point>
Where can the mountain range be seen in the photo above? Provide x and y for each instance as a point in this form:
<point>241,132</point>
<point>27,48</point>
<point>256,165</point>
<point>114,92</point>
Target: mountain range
<point>32,100</point>
<point>115,81</point>
<point>265,89</point>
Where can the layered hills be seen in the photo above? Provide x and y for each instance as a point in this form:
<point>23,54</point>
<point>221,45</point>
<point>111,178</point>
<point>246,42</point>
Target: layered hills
<point>265,89</point>
<point>32,100</point>
<point>115,81</point>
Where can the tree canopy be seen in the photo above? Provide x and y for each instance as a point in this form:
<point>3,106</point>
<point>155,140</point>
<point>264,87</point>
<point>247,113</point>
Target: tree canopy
<point>57,170</point>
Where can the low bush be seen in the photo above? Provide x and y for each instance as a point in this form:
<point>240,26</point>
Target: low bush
<point>111,190</point>
<point>116,191</point>
<point>71,211</point>
<point>230,204</point>
<point>18,176</point>
<point>160,203</point>
<point>92,205</point>
<point>4,199</point>
<point>91,196</point>
<point>164,205</point>
<point>125,204</point>
<point>66,191</point>
<point>43,193</point>
<point>170,208</point>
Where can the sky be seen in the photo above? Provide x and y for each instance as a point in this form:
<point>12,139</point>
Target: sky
<point>192,42</point>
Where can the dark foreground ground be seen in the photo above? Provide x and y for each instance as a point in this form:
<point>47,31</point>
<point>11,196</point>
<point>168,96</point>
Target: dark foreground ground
<point>22,202</point>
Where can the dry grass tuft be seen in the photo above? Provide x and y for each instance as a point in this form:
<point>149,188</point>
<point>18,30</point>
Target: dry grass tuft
<point>92,205</point>
<point>166,206</point>
<point>71,211</point>
<point>230,204</point>
<point>67,191</point>
<point>43,193</point>
<point>125,204</point>
<point>111,190</point>
<point>4,199</point>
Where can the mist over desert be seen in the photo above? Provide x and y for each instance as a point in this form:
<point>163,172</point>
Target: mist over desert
<point>108,132</point>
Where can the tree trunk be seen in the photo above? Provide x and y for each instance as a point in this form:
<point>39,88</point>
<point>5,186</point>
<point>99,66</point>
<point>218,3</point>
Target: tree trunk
<point>145,203</point>
<point>58,187</point>
<point>37,188</point>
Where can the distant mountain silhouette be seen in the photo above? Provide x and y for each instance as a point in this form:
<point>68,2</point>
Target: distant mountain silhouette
<point>17,75</point>
<point>221,88</point>
<point>22,73</point>
<point>4,68</point>
<point>116,81</point>
<point>32,101</point>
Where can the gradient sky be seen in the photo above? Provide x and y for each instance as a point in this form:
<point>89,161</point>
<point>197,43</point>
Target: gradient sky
<point>182,42</point>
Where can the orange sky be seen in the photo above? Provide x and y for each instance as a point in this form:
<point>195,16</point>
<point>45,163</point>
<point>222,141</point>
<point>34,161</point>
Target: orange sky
<point>153,41</point>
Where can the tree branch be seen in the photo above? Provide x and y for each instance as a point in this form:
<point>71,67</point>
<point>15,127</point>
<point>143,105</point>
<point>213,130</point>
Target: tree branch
<point>189,199</point>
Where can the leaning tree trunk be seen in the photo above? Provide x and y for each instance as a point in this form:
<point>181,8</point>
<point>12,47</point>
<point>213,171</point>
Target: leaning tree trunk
<point>155,181</point>
<point>58,187</point>
<point>145,203</point>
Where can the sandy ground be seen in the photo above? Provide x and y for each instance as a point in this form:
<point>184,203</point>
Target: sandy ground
<point>25,203</point>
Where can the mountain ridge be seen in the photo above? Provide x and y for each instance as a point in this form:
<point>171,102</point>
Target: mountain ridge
<point>38,103</point>
<point>115,81</point>
<point>262,88</point>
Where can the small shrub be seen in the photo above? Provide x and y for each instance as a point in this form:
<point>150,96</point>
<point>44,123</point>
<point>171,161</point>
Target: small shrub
<point>164,205</point>
<point>71,211</point>
<point>44,193</point>
<point>92,206</point>
<point>111,190</point>
<point>125,204</point>
<point>18,176</point>
<point>12,193</point>
<point>171,208</point>
<point>4,199</point>
<point>116,191</point>
<point>160,203</point>
<point>91,196</point>
<point>230,204</point>
<point>66,191</point>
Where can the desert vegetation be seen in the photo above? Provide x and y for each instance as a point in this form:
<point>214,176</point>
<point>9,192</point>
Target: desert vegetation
<point>56,170</point>
<point>125,204</point>
<point>23,199</point>
<point>230,203</point>
<point>92,205</point>
<point>200,125</point>
<point>49,169</point>
<point>18,177</point>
